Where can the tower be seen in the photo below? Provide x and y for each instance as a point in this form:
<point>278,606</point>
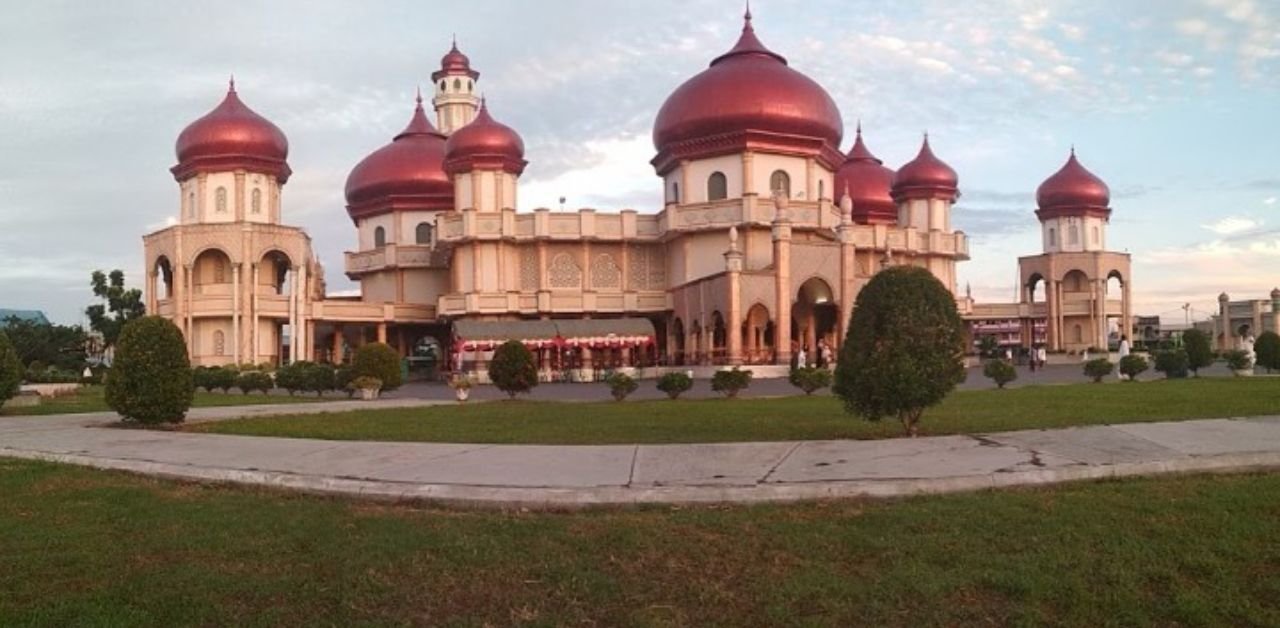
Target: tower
<point>455,101</point>
<point>925,189</point>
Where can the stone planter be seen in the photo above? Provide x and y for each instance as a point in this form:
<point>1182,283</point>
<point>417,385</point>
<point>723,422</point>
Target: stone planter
<point>462,394</point>
<point>369,394</point>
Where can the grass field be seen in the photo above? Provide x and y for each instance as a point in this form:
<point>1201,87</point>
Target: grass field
<point>90,399</point>
<point>88,547</point>
<point>793,418</point>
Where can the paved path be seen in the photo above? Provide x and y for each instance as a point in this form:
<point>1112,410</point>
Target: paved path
<point>570,476</point>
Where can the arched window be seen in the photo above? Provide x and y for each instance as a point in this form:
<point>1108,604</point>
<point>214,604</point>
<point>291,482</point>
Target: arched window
<point>443,86</point>
<point>717,187</point>
<point>219,272</point>
<point>1073,235</point>
<point>219,343</point>
<point>257,201</point>
<point>1078,333</point>
<point>780,181</point>
<point>821,189</point>
<point>1053,237</point>
<point>675,193</point>
<point>457,85</point>
<point>379,237</point>
<point>468,87</point>
<point>423,233</point>
<point>220,200</point>
<point>1096,237</point>
<point>191,204</point>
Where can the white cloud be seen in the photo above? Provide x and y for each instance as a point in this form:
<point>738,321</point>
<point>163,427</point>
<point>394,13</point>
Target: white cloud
<point>1232,225</point>
<point>1270,200</point>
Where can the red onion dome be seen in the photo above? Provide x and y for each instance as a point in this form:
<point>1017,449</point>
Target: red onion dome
<point>748,97</point>
<point>1073,191</point>
<point>926,176</point>
<point>484,143</point>
<point>867,182</point>
<point>232,137</point>
<point>408,173</point>
<point>453,63</point>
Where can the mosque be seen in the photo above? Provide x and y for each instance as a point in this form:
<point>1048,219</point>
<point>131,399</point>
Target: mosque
<point>766,233</point>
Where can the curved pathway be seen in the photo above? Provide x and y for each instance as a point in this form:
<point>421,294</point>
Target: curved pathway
<point>549,476</point>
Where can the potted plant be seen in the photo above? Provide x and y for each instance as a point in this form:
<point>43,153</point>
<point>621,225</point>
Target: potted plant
<point>461,385</point>
<point>369,387</point>
<point>1240,362</point>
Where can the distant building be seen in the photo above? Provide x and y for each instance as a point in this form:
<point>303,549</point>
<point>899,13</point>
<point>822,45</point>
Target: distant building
<point>35,316</point>
<point>1236,320</point>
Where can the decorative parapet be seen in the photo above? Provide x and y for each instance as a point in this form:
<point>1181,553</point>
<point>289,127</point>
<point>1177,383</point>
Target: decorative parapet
<point>392,256</point>
<point>560,301</point>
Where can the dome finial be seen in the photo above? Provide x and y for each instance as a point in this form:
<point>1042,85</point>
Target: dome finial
<point>455,43</point>
<point>747,16</point>
<point>231,84</point>
<point>419,98</point>
<point>859,127</point>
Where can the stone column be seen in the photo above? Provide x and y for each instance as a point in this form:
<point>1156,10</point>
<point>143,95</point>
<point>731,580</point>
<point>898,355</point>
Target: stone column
<point>1051,322</point>
<point>293,316</point>
<point>382,333</point>
<point>188,324</point>
<point>253,316</point>
<point>733,322</point>
<point>782,278</point>
<point>1100,312</point>
<point>848,271</point>
<point>337,356</point>
<point>1224,321</point>
<point>235,313</point>
<point>1275,310</point>
<point>1126,310</point>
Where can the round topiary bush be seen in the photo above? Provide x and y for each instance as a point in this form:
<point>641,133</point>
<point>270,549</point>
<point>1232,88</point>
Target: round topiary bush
<point>904,350</point>
<point>291,377</point>
<point>221,378</point>
<point>621,385</point>
<point>1199,350</point>
<point>251,381</point>
<point>11,370</point>
<point>675,384</point>
<point>1267,351</point>
<point>378,360</point>
<point>1098,368</point>
<point>810,378</point>
<point>1133,365</point>
<point>342,378</point>
<point>730,382</point>
<point>1173,363</point>
<point>1000,371</point>
<point>512,369</point>
<point>317,378</point>
<point>150,380</point>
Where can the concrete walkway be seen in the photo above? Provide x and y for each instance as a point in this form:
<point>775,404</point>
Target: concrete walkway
<point>542,476</point>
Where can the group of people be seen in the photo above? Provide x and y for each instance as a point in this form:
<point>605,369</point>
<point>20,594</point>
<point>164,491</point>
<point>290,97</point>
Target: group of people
<point>823,357</point>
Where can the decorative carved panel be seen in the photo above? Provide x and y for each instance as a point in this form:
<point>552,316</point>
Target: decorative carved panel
<point>605,272</point>
<point>563,272</point>
<point>528,268</point>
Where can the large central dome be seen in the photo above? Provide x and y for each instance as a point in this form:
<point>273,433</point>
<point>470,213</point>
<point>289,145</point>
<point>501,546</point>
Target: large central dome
<point>749,88</point>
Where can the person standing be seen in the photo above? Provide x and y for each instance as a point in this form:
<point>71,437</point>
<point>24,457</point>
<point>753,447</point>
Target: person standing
<point>1124,353</point>
<point>800,357</point>
<point>1042,356</point>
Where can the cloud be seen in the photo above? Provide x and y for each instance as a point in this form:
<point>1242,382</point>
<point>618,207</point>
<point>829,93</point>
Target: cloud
<point>1232,225</point>
<point>1270,200</point>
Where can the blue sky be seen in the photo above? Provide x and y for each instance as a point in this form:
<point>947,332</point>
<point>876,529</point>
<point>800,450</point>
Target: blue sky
<point>1172,103</point>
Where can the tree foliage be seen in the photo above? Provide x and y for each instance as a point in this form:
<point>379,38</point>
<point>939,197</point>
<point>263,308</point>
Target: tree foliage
<point>1266,350</point>
<point>1000,371</point>
<point>1131,366</point>
<point>251,381</point>
<point>379,360</point>
<point>731,381</point>
<point>1238,360</point>
<point>904,348</point>
<point>513,370</point>
<point>1199,350</point>
<point>120,305</point>
<point>58,346</point>
<point>810,379</point>
<point>10,369</point>
<point>150,381</point>
<point>1172,362</point>
<point>621,385</point>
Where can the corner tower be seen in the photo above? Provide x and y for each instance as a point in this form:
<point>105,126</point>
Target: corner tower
<point>455,101</point>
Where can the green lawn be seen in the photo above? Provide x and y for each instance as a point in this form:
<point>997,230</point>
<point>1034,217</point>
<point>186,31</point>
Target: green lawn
<point>794,418</point>
<point>90,399</point>
<point>88,547</point>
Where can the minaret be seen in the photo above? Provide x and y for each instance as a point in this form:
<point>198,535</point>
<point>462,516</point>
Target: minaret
<point>485,160</point>
<point>456,100</point>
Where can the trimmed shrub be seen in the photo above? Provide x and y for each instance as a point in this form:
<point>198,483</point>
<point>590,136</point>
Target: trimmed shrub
<point>1238,360</point>
<point>200,378</point>
<point>1199,351</point>
<point>1098,368</point>
<point>1267,351</point>
<point>904,350</point>
<point>675,384</point>
<point>378,360</point>
<point>1131,366</point>
<point>512,369</point>
<point>810,379</point>
<point>291,378</point>
<point>10,369</point>
<point>222,378</point>
<point>150,381</point>
<point>731,382</point>
<point>621,385</point>
<point>342,378</point>
<point>364,382</point>
<point>1173,363</point>
<point>317,378</point>
<point>1000,371</point>
<point>250,381</point>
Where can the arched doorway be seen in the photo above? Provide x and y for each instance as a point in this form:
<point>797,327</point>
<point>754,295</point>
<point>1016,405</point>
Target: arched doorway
<point>677,339</point>
<point>719,339</point>
<point>815,320</point>
<point>162,282</point>
<point>757,335</point>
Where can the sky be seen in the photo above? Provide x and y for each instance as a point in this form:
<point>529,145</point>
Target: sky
<point>1173,103</point>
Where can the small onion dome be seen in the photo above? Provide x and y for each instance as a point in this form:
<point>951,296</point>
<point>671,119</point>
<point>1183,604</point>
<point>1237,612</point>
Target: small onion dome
<point>232,137</point>
<point>1223,298</point>
<point>408,173</point>
<point>1073,191</point>
<point>484,143</point>
<point>926,176</point>
<point>1275,294</point>
<point>748,97</point>
<point>454,63</point>
<point>867,182</point>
